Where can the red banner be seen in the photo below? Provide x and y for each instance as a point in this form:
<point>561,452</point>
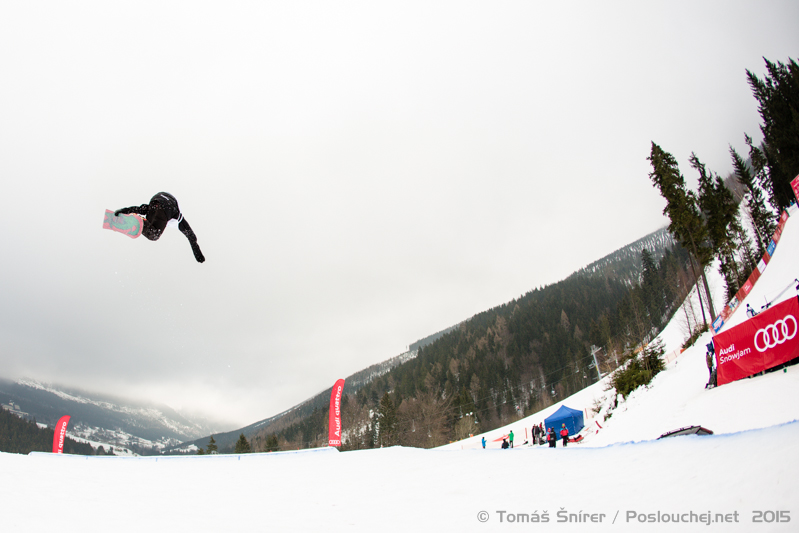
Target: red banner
<point>334,431</point>
<point>795,186</point>
<point>783,220</point>
<point>762,342</point>
<point>60,434</point>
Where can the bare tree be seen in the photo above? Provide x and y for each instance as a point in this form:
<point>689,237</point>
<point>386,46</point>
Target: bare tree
<point>423,421</point>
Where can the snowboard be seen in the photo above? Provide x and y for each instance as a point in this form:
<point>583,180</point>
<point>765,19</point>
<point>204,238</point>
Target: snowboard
<point>130,225</point>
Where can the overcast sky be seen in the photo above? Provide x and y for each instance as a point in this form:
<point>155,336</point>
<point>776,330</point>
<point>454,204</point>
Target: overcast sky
<point>359,174</point>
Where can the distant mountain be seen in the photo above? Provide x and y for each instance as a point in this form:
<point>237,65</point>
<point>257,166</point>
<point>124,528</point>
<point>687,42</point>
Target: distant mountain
<point>625,263</point>
<point>110,422</point>
<point>226,441</point>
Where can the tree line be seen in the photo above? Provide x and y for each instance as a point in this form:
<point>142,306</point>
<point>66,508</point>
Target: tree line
<point>711,222</point>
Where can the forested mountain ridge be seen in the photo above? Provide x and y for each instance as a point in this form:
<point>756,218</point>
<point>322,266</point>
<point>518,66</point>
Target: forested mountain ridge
<point>500,363</point>
<point>430,339</point>
<point>625,263</point>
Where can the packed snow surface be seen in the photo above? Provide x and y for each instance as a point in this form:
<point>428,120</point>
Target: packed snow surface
<point>618,478</point>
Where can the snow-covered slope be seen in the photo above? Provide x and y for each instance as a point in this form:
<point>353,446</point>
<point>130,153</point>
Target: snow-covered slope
<point>619,479</point>
<point>677,397</point>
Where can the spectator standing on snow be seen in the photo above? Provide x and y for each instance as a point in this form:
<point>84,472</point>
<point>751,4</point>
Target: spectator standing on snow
<point>551,437</point>
<point>536,434</point>
<point>709,357</point>
<point>564,435</point>
<point>510,436</point>
<point>504,443</point>
<point>484,443</point>
<point>710,360</point>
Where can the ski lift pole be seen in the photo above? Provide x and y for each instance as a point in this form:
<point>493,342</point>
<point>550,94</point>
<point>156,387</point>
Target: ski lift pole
<point>594,350</point>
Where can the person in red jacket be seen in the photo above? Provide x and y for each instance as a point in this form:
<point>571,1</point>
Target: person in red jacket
<point>551,437</point>
<point>564,434</point>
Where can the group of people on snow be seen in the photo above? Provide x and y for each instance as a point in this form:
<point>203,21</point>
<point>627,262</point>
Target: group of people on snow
<point>539,437</point>
<point>552,438</point>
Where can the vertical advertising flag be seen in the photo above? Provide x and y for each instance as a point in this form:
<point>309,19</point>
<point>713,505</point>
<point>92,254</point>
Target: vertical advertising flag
<point>334,431</point>
<point>60,434</point>
<point>795,187</point>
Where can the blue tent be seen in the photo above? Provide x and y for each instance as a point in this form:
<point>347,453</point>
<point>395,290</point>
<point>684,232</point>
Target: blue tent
<point>573,420</point>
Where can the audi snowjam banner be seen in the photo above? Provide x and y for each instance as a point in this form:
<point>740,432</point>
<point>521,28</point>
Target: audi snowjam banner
<point>60,434</point>
<point>334,431</point>
<point>762,342</point>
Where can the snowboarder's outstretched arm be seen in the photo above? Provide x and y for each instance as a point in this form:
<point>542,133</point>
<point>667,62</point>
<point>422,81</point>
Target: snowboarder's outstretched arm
<point>138,210</point>
<point>186,230</point>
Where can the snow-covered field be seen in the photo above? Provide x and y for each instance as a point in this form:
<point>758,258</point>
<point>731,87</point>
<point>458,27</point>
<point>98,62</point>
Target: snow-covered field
<point>743,478</point>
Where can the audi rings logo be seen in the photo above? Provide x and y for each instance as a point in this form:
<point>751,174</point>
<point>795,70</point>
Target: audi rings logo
<point>776,333</point>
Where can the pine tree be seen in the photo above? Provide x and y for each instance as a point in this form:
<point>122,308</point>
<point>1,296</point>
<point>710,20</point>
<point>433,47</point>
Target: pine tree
<point>387,422</point>
<point>778,97</point>
<point>653,289</point>
<point>723,228</point>
<point>761,218</point>
<point>271,443</point>
<point>718,206</point>
<point>682,208</point>
<point>242,445</point>
<point>211,448</point>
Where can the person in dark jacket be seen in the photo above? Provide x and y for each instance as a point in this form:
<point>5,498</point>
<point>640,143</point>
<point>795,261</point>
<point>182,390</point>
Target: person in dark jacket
<point>504,444</point>
<point>162,210</point>
<point>564,435</point>
<point>551,437</point>
<point>710,360</point>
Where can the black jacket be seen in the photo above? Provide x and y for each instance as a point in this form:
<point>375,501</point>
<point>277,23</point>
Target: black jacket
<point>162,208</point>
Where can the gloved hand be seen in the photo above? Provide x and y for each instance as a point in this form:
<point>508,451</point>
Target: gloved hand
<point>198,255</point>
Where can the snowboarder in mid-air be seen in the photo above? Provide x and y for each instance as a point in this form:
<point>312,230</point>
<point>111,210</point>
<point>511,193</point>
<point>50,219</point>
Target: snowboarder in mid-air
<point>162,210</point>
